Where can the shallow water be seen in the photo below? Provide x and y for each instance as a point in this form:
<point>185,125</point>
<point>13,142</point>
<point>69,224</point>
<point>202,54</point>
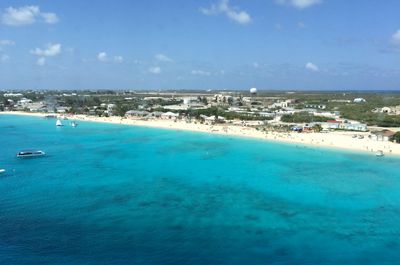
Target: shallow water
<point>113,194</point>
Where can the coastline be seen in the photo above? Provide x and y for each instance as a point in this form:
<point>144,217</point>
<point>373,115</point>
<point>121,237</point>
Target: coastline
<point>332,140</point>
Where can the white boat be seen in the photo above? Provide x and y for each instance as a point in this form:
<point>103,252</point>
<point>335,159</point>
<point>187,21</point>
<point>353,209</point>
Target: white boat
<point>379,153</point>
<point>30,153</point>
<point>74,124</point>
<point>2,171</point>
<point>59,123</point>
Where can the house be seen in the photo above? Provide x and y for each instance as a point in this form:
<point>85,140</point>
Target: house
<point>24,102</point>
<point>384,135</point>
<point>63,109</point>
<point>169,115</point>
<point>110,109</point>
<point>354,127</point>
<point>212,119</point>
<point>155,114</point>
<point>189,100</point>
<point>330,125</point>
<point>253,123</point>
<point>395,110</point>
<point>137,113</point>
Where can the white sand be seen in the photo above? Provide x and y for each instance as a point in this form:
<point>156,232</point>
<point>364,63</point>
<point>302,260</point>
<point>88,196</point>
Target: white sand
<point>339,139</point>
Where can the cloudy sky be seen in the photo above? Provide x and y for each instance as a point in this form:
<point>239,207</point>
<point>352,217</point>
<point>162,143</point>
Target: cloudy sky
<point>207,44</point>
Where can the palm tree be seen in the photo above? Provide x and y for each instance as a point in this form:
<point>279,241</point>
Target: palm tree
<point>317,128</point>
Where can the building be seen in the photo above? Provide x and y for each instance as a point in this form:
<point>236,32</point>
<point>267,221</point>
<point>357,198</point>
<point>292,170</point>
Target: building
<point>169,116</point>
<point>315,106</point>
<point>137,113</point>
<point>395,110</point>
<point>384,135</point>
<point>361,127</point>
<point>330,125</point>
<point>11,95</point>
<point>359,100</point>
<point>338,125</point>
<point>23,102</point>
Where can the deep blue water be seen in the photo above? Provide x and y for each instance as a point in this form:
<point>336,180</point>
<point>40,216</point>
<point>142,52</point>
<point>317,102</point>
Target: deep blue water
<point>112,194</point>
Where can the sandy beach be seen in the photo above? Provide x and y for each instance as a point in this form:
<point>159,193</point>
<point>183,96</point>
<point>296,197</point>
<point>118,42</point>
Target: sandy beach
<point>338,139</point>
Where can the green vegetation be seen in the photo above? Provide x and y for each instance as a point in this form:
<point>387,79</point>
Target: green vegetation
<point>226,114</point>
<point>363,113</point>
<point>95,103</point>
<point>396,137</point>
<point>317,128</point>
<point>303,117</point>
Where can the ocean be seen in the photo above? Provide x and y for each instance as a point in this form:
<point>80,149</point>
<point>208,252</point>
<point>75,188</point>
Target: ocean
<point>114,194</point>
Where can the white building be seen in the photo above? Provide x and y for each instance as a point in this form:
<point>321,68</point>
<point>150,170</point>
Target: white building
<point>395,110</point>
<point>359,100</point>
<point>24,102</point>
<point>315,106</point>
<point>6,95</point>
<point>169,116</point>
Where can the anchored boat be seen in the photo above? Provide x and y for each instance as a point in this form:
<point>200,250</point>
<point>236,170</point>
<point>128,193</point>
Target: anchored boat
<point>30,153</point>
<point>59,123</point>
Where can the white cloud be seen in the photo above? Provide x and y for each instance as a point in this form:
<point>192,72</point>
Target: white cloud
<point>102,56</point>
<point>256,65</point>
<point>118,59</point>
<point>6,42</point>
<point>233,13</point>
<point>200,72</point>
<point>396,37</point>
<point>155,70</point>
<point>26,15</point>
<point>312,67</point>
<point>300,4</point>
<point>301,25</point>
<point>41,61</point>
<point>278,26</point>
<point>50,18</point>
<point>162,58</point>
<point>4,58</point>
<point>50,50</point>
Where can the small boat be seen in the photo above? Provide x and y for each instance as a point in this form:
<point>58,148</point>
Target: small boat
<point>2,171</point>
<point>59,123</point>
<point>74,124</point>
<point>360,137</point>
<point>379,153</point>
<point>30,153</point>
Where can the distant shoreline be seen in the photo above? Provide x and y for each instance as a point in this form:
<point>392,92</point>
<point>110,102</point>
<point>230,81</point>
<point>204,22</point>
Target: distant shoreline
<point>333,140</point>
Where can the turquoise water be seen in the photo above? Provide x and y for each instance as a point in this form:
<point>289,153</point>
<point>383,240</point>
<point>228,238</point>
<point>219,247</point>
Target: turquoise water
<point>112,194</point>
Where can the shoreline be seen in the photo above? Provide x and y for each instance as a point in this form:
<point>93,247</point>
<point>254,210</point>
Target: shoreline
<point>333,140</point>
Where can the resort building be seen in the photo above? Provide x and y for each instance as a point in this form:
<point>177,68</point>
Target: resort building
<point>384,135</point>
<point>338,125</point>
<point>137,113</point>
<point>169,115</point>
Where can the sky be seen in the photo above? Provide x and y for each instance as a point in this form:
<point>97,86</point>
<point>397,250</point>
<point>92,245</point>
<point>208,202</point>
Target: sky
<point>200,44</point>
